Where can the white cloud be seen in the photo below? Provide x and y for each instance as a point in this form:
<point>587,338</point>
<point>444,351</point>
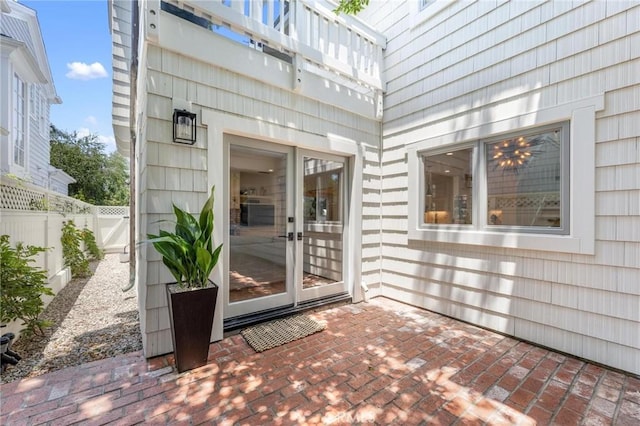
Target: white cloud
<point>82,71</point>
<point>91,120</point>
<point>83,132</point>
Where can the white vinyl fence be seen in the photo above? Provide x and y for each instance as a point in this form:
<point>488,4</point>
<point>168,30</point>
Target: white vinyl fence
<point>34,216</point>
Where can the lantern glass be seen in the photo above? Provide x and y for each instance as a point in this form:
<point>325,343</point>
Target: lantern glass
<point>184,127</point>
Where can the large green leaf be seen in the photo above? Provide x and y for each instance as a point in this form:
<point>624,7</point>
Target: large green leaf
<point>186,225</point>
<point>188,251</point>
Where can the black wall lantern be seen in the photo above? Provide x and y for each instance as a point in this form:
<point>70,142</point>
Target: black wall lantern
<point>184,126</point>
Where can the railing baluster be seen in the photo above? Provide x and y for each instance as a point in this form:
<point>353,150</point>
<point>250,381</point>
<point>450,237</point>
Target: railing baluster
<point>343,40</point>
<point>376,65</point>
<point>256,10</point>
<point>322,34</point>
<point>367,57</point>
<point>238,5</point>
<point>287,14</point>
<point>309,26</point>
<point>334,38</point>
<point>356,50</point>
<point>315,30</point>
<point>270,13</point>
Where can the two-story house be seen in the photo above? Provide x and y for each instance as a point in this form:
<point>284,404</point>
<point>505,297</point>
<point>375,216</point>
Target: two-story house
<point>480,159</point>
<point>28,93</point>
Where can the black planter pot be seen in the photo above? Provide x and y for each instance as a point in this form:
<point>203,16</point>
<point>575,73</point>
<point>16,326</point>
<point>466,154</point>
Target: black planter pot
<point>191,312</point>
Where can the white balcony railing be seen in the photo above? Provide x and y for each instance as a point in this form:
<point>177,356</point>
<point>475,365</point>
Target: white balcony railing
<point>306,34</point>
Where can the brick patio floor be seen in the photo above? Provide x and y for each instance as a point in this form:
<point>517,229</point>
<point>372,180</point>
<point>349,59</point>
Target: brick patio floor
<point>381,362</point>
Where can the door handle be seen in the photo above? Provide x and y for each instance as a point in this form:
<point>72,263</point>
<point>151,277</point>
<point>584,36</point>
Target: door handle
<point>299,236</point>
<point>290,236</point>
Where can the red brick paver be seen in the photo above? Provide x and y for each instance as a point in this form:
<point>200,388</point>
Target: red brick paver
<point>381,362</point>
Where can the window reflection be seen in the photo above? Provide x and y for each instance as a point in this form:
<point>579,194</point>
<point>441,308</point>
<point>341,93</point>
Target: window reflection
<point>448,187</point>
<point>322,190</point>
<point>523,180</point>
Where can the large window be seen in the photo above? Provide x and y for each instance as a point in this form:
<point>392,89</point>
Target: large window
<point>531,189</point>
<point>520,183</point>
<point>37,108</point>
<point>19,142</point>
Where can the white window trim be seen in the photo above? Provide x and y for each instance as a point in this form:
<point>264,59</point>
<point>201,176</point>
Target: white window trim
<point>19,169</point>
<point>32,100</point>
<point>36,107</point>
<point>42,118</point>
<point>581,237</point>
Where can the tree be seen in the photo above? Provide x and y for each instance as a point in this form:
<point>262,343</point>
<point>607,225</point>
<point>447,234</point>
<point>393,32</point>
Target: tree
<point>351,7</point>
<point>101,178</point>
<point>117,181</point>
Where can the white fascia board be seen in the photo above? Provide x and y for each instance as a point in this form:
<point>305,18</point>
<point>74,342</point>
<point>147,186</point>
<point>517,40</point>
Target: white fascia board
<point>223,123</point>
<point>41,60</point>
<point>180,36</point>
<point>328,92</point>
<point>122,135</point>
<point>22,59</point>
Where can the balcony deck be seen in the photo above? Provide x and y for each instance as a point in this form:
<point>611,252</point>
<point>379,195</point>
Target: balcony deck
<point>301,46</point>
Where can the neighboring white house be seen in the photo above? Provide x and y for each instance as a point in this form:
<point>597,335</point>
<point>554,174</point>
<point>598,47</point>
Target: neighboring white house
<point>478,159</point>
<point>28,92</point>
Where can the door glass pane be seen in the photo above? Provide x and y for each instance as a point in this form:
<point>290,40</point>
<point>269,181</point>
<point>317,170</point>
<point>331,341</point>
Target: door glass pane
<point>257,223</point>
<point>323,218</point>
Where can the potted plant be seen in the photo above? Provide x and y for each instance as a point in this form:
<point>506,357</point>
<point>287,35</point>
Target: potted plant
<point>189,255</point>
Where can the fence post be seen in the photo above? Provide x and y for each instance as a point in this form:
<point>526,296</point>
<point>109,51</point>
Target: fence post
<point>96,224</point>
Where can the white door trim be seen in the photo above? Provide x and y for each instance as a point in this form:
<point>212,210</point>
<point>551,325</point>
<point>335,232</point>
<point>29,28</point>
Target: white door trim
<point>218,123</point>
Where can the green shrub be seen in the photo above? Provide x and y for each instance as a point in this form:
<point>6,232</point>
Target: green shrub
<point>22,286</point>
<point>89,240</point>
<point>73,256</point>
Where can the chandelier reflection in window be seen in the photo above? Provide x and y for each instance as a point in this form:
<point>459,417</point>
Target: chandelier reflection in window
<point>514,154</point>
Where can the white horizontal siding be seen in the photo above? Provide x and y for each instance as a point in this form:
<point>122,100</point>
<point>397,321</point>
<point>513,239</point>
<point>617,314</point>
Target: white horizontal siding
<point>476,63</point>
<point>174,173</point>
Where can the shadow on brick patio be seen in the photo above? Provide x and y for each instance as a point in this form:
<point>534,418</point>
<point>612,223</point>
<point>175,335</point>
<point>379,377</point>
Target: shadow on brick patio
<point>380,362</point>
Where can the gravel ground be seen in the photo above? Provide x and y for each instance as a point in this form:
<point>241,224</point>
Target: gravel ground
<point>92,319</point>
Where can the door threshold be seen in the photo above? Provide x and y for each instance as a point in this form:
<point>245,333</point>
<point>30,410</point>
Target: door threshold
<point>235,324</point>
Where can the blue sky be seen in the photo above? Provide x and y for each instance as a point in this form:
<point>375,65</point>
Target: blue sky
<point>76,36</point>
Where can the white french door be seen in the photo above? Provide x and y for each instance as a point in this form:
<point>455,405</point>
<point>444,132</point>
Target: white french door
<point>259,254</point>
<point>287,210</point>
<point>321,210</point>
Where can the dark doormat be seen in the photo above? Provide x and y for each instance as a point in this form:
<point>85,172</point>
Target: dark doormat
<point>278,332</point>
